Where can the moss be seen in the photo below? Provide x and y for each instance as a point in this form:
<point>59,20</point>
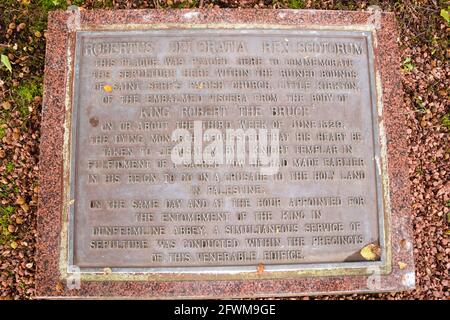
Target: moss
<point>446,121</point>
<point>296,4</point>
<point>25,93</point>
<point>5,214</point>
<point>49,5</point>
<point>5,117</point>
<point>6,190</point>
<point>185,4</point>
<point>9,167</point>
<point>2,132</point>
<point>100,4</point>
<point>3,191</point>
<point>80,2</point>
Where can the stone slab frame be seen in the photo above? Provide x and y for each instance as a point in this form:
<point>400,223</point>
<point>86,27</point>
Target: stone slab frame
<point>54,278</point>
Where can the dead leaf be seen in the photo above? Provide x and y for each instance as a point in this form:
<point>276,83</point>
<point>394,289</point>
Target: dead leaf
<point>25,207</point>
<point>6,105</point>
<point>107,88</point>
<point>260,268</point>
<point>59,287</point>
<point>371,252</point>
<point>20,200</point>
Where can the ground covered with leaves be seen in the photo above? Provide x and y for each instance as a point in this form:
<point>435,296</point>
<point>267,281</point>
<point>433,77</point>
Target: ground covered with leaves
<point>424,30</point>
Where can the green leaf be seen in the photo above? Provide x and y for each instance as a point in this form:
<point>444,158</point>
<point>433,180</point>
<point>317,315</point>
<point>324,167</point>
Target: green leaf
<point>445,15</point>
<point>407,65</point>
<point>5,62</point>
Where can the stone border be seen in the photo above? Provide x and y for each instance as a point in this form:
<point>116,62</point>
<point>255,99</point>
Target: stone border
<point>51,278</point>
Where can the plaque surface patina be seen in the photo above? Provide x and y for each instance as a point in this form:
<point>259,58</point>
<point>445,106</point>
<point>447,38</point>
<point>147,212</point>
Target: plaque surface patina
<point>222,153</point>
<point>136,210</point>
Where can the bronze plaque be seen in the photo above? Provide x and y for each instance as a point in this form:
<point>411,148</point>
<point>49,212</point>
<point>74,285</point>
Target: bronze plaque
<point>278,138</point>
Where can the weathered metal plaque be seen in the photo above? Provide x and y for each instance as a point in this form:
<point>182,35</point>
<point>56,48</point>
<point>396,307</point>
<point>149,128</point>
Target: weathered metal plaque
<point>304,100</point>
